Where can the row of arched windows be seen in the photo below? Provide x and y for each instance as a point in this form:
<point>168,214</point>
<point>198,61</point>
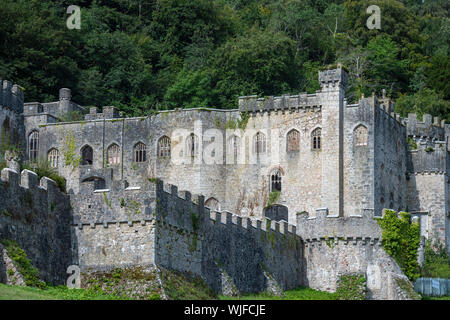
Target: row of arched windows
<point>164,147</point>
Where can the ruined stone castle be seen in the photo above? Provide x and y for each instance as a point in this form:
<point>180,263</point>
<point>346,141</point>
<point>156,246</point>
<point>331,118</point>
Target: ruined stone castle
<point>281,192</point>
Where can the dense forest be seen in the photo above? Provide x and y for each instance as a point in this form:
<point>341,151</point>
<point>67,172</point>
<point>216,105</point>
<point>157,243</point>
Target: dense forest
<point>147,55</point>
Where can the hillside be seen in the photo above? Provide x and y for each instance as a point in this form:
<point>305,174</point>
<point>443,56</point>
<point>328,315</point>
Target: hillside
<point>143,55</point>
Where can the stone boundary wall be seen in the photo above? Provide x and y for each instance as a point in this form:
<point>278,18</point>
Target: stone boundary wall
<point>225,249</point>
<point>230,253</point>
<point>36,214</point>
<point>335,246</point>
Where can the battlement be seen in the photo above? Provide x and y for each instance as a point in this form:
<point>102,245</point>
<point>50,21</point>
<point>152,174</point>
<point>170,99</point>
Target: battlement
<point>432,128</point>
<point>28,180</point>
<point>282,103</point>
<point>428,157</point>
<point>333,78</point>
<point>324,226</point>
<point>108,112</point>
<point>11,96</point>
<point>184,208</point>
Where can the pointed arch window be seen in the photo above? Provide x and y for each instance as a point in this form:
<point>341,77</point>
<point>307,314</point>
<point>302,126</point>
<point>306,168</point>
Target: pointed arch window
<point>234,145</point>
<point>87,156</point>
<point>53,158</point>
<point>164,147</point>
<point>275,180</point>
<point>293,141</point>
<point>113,153</point>
<point>360,136</point>
<point>213,204</point>
<point>316,139</point>
<point>140,152</point>
<point>259,143</point>
<point>33,146</point>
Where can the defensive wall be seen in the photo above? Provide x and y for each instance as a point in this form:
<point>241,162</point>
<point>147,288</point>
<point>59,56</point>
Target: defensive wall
<point>36,214</point>
<point>335,246</point>
<point>232,254</point>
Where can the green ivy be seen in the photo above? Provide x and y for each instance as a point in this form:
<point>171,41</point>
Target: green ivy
<point>273,197</point>
<point>23,264</point>
<point>242,123</point>
<point>69,151</point>
<point>351,287</point>
<point>401,239</point>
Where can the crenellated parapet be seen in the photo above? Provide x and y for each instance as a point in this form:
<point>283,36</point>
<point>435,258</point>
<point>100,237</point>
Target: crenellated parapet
<point>284,103</point>
<point>36,215</point>
<point>430,128</point>
<point>11,96</point>
<point>427,156</point>
<point>179,208</point>
<point>350,229</point>
<point>108,112</point>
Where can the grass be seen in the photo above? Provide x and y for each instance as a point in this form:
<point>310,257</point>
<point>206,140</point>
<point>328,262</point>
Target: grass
<point>299,293</point>
<point>51,293</point>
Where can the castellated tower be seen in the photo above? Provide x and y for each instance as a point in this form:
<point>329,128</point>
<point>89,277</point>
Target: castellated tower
<point>332,95</point>
<point>11,116</point>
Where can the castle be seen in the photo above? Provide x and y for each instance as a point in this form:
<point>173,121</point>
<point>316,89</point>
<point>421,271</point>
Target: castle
<point>270,186</point>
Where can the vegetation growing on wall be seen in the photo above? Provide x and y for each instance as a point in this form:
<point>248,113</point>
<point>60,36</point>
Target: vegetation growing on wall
<point>69,151</point>
<point>273,198</point>
<point>401,239</point>
<point>436,261</point>
<point>43,169</point>
<point>23,264</point>
<point>351,287</point>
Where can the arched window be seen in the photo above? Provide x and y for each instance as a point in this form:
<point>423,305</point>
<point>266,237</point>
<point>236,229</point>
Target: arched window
<point>259,143</point>
<point>140,152</point>
<point>164,147</point>
<point>316,140</point>
<point>33,146</point>
<point>192,145</point>
<point>275,180</point>
<point>293,141</point>
<point>360,136</point>
<point>113,154</point>
<point>87,156</point>
<point>53,158</point>
<point>213,204</point>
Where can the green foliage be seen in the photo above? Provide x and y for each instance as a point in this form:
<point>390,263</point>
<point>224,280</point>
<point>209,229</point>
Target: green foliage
<point>52,293</point>
<point>401,240</point>
<point>195,219</point>
<point>429,149</point>
<point>145,56</point>
<point>69,151</point>
<point>242,123</point>
<point>436,261</point>
<point>351,287</point>
<point>43,169</point>
<point>23,264</point>
<point>273,198</point>
<point>412,143</point>
<point>300,293</point>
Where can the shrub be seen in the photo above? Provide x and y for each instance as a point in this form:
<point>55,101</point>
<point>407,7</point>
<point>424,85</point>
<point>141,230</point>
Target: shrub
<point>24,266</point>
<point>401,240</point>
<point>43,169</point>
<point>436,261</point>
<point>351,287</point>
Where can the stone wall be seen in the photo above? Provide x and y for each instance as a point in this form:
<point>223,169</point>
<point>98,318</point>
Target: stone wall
<point>36,215</point>
<point>335,246</point>
<point>182,234</point>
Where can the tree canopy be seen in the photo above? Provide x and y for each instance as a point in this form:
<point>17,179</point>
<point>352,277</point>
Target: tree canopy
<point>146,55</point>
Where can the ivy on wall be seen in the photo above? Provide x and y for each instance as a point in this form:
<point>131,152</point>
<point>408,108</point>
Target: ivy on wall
<point>401,239</point>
